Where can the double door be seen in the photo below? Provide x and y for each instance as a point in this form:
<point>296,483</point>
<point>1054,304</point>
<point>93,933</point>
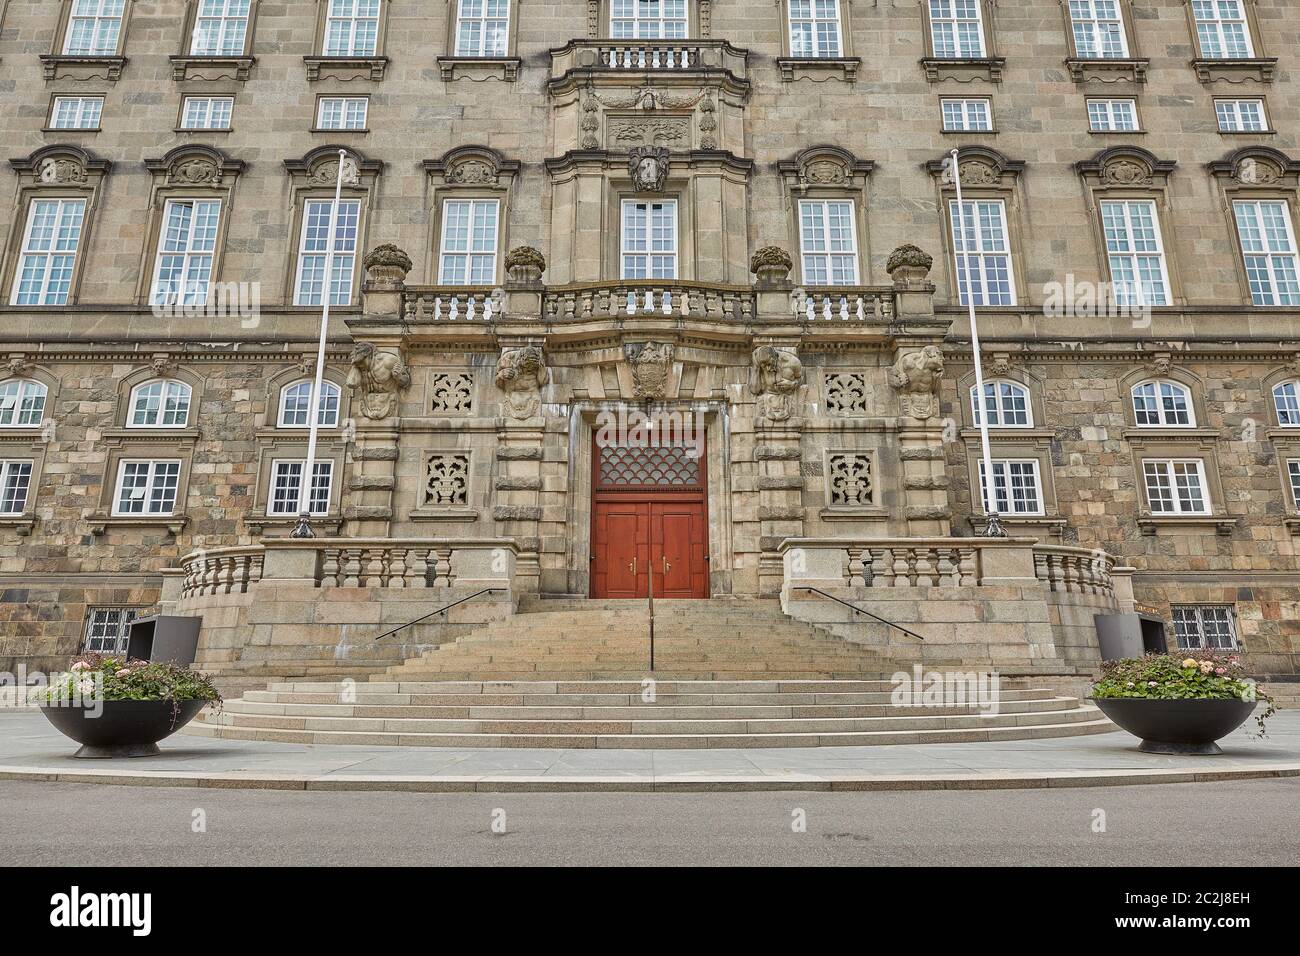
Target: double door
<point>657,542</point>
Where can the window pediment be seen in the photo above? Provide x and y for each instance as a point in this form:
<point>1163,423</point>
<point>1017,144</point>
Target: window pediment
<point>473,166</point>
<point>826,167</point>
<point>61,165</point>
<point>1126,166</point>
<point>979,166</point>
<point>195,165</point>
<point>1257,166</point>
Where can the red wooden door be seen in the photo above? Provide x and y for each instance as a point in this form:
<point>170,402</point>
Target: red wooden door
<point>620,542</point>
<point>677,548</point>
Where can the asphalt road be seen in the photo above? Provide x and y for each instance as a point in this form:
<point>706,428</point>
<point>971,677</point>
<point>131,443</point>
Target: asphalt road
<point>1253,823</point>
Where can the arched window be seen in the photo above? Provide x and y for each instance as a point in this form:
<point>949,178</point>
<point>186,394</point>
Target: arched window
<point>1007,404</point>
<point>22,403</point>
<point>1163,403</point>
<point>163,403</point>
<point>295,399</point>
<point>1286,398</point>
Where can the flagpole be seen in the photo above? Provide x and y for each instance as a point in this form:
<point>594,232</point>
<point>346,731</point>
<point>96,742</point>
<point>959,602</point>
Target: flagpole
<point>303,528</point>
<point>993,526</point>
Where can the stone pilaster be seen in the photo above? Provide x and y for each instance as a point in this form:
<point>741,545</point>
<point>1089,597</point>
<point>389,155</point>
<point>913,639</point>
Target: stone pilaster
<point>521,430</point>
<point>778,454</point>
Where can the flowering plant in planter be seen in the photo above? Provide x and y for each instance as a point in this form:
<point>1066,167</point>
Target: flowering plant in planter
<point>1189,675</point>
<point>96,677</point>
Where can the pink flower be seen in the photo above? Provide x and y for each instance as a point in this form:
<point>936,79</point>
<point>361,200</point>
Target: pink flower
<point>1220,671</point>
<point>123,672</point>
<point>80,666</point>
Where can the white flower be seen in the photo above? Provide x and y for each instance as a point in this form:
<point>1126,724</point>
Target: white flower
<point>1131,684</point>
<point>1151,683</point>
<point>85,688</point>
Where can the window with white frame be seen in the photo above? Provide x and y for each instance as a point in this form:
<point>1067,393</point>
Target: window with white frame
<point>1176,486</point>
<point>983,252</point>
<point>1007,404</point>
<point>967,116</point>
<point>220,28</point>
<point>815,29</point>
<point>49,252</point>
<point>957,29</point>
<point>1286,399</point>
<point>160,404</point>
<point>482,27</point>
<point>1162,404</point>
<point>94,28</point>
<point>76,112</point>
<point>1222,29</point>
<point>342,112</point>
<point>1240,116</point>
<point>649,239</point>
<point>146,487</point>
<point>295,399</point>
<point>1268,245</point>
<point>314,247</point>
<point>1112,116</point>
<point>1098,27</point>
<point>1135,252</point>
<point>22,403</point>
<point>286,486</point>
<point>1016,486</point>
<point>828,242</point>
<point>352,28</point>
<point>207,112</point>
<point>187,246</point>
<point>107,629</point>
<point>1293,477</point>
<point>15,482</point>
<point>469,242</point>
<point>1207,627</point>
<point>648,19</point>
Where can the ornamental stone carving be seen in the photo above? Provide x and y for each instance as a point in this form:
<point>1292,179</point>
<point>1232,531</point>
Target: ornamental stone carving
<point>771,263</point>
<point>850,481</point>
<point>377,378</point>
<point>326,173</point>
<point>649,168</point>
<point>651,364</point>
<point>525,264</point>
<point>61,171</point>
<point>975,173</point>
<point>908,264</point>
<point>195,172</point>
<point>386,265</point>
<point>1126,172</point>
<point>1253,172</point>
<point>824,172</point>
<point>775,378</point>
<point>521,374</point>
<point>916,376</point>
<point>473,172</point>
<point>446,480</point>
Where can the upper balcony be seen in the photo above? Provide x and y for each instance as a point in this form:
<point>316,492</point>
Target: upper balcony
<point>688,62</point>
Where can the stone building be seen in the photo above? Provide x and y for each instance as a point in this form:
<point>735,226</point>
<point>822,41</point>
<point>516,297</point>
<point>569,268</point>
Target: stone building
<point>736,217</point>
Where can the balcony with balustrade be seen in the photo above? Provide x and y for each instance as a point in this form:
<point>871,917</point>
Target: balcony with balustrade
<point>666,62</point>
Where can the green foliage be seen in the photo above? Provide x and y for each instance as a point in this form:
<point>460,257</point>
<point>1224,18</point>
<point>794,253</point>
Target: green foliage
<point>1188,675</point>
<point>94,677</point>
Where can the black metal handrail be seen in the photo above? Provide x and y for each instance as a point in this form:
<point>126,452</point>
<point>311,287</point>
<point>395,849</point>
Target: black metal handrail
<point>440,610</point>
<point>859,610</point>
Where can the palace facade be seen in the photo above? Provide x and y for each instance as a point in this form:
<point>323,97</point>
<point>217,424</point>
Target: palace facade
<point>737,217</point>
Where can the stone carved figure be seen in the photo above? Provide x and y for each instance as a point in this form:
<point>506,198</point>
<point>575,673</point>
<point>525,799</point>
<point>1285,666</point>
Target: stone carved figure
<point>377,378</point>
<point>61,171</point>
<point>327,173</point>
<point>916,376</point>
<point>651,363</point>
<point>775,378</point>
<point>521,374</point>
<point>649,168</point>
<point>195,172</point>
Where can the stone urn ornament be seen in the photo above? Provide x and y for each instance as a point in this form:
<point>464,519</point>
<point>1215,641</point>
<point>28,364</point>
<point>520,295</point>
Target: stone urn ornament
<point>908,266</point>
<point>525,265</point>
<point>771,264</point>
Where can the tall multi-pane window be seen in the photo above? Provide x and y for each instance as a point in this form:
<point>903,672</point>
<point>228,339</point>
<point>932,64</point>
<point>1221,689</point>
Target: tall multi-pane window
<point>1240,116</point>
<point>1015,485</point>
<point>1135,252</point>
<point>1162,404</point>
<point>76,112</point>
<point>983,252</point>
<point>146,487</point>
<point>207,112</point>
<point>94,28</point>
<point>1176,486</point>
<point>649,239</point>
<point>22,403</point>
<point>1112,116</point>
<point>972,115</point>
<point>1268,245</point>
<point>286,486</point>
<point>1098,29</point>
<point>482,27</point>
<point>49,252</point>
<point>957,29</point>
<point>828,242</point>
<point>1222,30</point>
<point>1007,405</point>
<point>295,399</point>
<point>309,289</point>
<point>15,482</point>
<point>1204,627</point>
<point>469,242</point>
<point>352,28</point>
<point>648,19</point>
<point>1286,399</point>
<point>342,112</point>
<point>1293,476</point>
<point>160,404</point>
<point>107,629</point>
<point>815,29</point>
<point>186,248</point>
<point>220,28</point>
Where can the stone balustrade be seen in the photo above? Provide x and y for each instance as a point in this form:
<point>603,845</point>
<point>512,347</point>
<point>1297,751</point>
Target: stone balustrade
<point>1074,569</point>
<point>843,304</point>
<point>426,304</point>
<point>649,54</point>
<point>221,571</point>
<point>649,297</point>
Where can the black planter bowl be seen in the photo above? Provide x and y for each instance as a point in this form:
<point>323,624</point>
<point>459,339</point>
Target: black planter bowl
<point>1176,726</point>
<point>123,728</point>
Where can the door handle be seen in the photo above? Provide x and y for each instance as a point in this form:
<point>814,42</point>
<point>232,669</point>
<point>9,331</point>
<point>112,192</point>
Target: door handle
<point>632,567</point>
<point>667,567</point>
